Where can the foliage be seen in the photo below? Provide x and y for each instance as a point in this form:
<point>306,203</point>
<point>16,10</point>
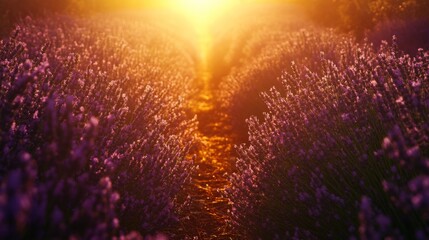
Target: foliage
<point>266,53</point>
<point>94,138</point>
<point>316,153</point>
<point>360,15</point>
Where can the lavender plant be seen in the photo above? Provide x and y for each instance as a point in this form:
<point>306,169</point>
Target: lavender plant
<point>46,189</point>
<point>313,163</point>
<point>95,132</point>
<point>269,52</point>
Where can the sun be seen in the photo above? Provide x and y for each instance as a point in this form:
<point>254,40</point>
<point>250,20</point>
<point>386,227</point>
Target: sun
<point>201,11</point>
<point>196,6</point>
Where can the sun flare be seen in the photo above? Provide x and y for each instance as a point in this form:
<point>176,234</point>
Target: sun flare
<point>201,11</point>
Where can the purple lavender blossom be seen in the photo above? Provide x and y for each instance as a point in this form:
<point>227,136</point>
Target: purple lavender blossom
<point>313,164</point>
<point>94,138</point>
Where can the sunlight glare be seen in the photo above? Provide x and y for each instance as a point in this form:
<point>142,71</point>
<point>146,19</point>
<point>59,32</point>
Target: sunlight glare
<point>201,11</point>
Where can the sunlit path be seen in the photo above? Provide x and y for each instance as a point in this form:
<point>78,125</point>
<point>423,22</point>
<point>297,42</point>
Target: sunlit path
<point>208,215</point>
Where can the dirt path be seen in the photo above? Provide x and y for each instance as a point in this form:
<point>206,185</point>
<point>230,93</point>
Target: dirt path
<point>208,215</point>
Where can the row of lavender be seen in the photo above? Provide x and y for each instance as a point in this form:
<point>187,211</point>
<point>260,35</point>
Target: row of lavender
<point>340,147</point>
<point>266,53</point>
<point>94,139</point>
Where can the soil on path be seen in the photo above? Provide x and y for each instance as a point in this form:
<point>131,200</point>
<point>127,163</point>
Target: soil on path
<point>208,217</point>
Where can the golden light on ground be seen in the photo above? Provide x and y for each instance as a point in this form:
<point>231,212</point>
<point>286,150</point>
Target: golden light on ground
<point>200,14</point>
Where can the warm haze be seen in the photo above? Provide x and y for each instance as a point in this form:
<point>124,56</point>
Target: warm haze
<point>214,119</point>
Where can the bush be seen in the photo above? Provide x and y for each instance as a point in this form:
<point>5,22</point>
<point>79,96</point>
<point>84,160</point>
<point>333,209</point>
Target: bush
<point>95,134</point>
<point>412,34</point>
<point>360,16</point>
<point>47,190</point>
<point>314,163</point>
<point>267,53</point>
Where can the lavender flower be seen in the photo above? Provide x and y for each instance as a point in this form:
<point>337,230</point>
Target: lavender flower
<point>313,165</point>
<point>97,117</point>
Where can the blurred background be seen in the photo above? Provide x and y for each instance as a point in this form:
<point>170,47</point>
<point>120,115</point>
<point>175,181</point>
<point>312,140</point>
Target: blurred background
<point>357,16</point>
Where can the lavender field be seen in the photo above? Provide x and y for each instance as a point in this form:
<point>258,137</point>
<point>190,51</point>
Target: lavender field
<point>212,119</point>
